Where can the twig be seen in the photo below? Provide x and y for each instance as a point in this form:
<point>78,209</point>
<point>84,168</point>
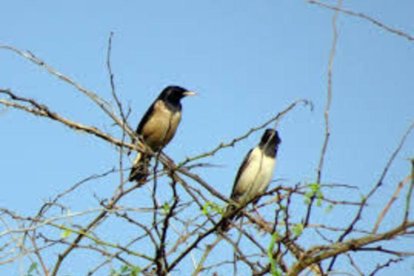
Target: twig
<point>390,202</point>
<point>386,264</point>
<point>43,111</point>
<point>101,103</point>
<point>365,17</point>
<point>320,253</point>
<point>327,109</point>
<point>224,145</point>
<point>364,200</point>
<point>207,251</point>
<point>160,256</point>
<point>410,191</point>
<point>118,104</point>
<point>86,229</point>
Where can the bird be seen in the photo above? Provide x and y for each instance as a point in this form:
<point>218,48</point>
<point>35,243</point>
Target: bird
<point>158,127</point>
<point>254,174</point>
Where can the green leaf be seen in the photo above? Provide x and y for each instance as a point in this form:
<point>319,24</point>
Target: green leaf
<point>65,233</point>
<point>166,208</point>
<point>329,208</point>
<point>308,196</point>
<point>217,208</point>
<point>32,268</point>
<point>297,229</point>
<point>318,202</point>
<point>315,187</point>
<point>205,210</point>
<point>314,191</point>
<point>124,268</point>
<point>113,272</point>
<point>135,271</point>
<point>210,206</point>
<point>273,266</point>
<point>363,197</point>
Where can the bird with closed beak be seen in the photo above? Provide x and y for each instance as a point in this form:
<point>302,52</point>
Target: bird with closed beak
<point>254,174</point>
<point>158,127</point>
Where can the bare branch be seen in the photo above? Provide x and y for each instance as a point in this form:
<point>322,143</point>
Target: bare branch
<point>101,103</point>
<point>43,111</point>
<point>365,17</point>
<point>327,108</point>
<point>233,142</point>
<point>390,202</point>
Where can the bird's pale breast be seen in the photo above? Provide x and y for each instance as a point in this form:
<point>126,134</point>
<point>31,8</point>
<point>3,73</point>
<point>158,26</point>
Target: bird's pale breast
<point>256,177</point>
<point>161,127</point>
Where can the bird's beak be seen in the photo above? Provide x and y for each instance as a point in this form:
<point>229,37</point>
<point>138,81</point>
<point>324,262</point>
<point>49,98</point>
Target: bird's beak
<point>189,93</point>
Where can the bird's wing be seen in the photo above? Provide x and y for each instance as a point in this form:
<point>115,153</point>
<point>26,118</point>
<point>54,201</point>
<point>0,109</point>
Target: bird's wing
<point>246,161</point>
<point>146,118</point>
<point>142,123</point>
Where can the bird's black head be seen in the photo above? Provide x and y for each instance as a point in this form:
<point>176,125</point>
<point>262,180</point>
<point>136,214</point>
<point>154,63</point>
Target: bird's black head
<point>173,94</point>
<point>270,142</point>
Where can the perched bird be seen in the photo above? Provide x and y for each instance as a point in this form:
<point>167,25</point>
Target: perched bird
<point>255,173</point>
<point>158,127</point>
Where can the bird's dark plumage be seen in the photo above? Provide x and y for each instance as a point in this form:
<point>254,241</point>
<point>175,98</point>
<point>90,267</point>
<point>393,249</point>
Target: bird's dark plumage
<point>255,173</point>
<point>158,126</point>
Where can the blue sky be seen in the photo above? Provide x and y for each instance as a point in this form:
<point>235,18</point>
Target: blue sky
<point>247,60</point>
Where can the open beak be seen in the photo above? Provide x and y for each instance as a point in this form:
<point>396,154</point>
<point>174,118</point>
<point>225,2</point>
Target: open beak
<point>189,93</point>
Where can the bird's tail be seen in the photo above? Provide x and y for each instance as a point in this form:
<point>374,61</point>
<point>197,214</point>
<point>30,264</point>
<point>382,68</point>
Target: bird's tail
<point>140,168</point>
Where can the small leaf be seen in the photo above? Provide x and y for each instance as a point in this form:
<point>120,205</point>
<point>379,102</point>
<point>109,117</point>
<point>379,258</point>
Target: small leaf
<point>32,268</point>
<point>273,269</point>
<point>113,272</point>
<point>124,268</point>
<point>297,229</point>
<point>315,187</point>
<point>166,208</point>
<point>363,197</point>
<point>217,208</point>
<point>65,233</point>
<point>314,191</point>
<point>319,202</point>
<point>329,208</point>
<point>212,206</point>
<point>205,210</point>
<point>135,271</point>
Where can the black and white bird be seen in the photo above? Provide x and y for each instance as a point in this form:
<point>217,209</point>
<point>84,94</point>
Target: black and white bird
<point>158,127</point>
<point>255,173</point>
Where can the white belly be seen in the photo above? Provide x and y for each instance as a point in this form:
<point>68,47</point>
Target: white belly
<point>256,176</point>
